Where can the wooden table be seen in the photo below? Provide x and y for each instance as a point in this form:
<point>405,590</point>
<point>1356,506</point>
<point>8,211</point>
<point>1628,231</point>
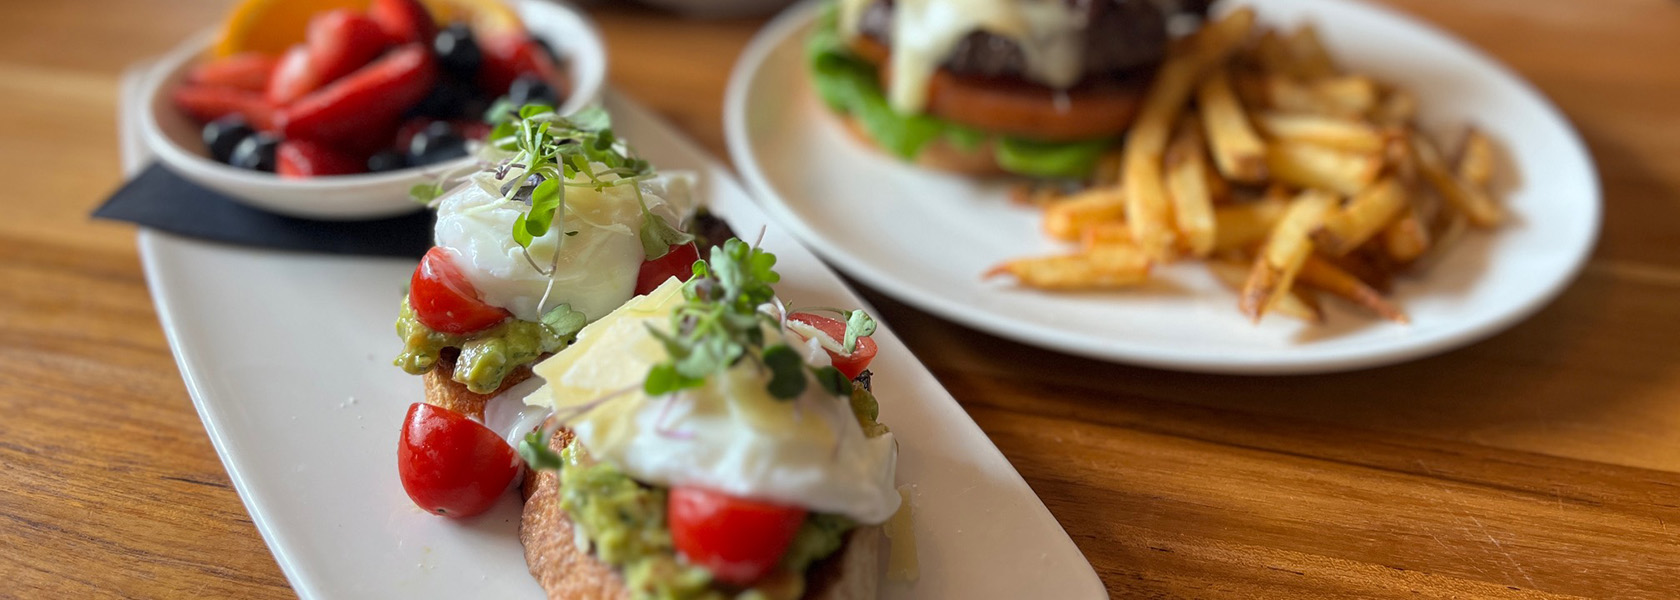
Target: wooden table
<point>1543,462</point>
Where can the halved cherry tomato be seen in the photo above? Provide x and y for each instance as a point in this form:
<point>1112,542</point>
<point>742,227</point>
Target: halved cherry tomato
<point>678,263</point>
<point>737,539</point>
<point>850,365</point>
<point>450,464</point>
<point>444,300</point>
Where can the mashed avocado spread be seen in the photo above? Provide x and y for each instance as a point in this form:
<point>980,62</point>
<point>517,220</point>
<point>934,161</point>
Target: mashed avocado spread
<point>624,521</point>
<point>486,356</point>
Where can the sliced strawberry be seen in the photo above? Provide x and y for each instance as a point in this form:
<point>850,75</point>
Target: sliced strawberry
<point>294,76</point>
<point>246,71</point>
<point>301,158</point>
<point>207,103</point>
<point>363,108</point>
<point>506,57</point>
<point>341,41</point>
<point>404,21</point>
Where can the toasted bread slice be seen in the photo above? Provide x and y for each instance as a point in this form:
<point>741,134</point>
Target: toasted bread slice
<point>445,392</point>
<point>567,572</point>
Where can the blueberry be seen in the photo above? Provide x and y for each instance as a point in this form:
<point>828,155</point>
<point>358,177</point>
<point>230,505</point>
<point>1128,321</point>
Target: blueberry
<point>386,161</point>
<point>531,88</point>
<point>458,52</point>
<point>222,135</point>
<point>436,143</point>
<point>448,99</point>
<point>255,152</point>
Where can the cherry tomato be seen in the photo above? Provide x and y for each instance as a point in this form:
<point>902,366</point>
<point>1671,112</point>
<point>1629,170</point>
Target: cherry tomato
<point>444,300</point>
<point>678,263</point>
<point>737,539</point>
<point>452,465</point>
<point>851,365</point>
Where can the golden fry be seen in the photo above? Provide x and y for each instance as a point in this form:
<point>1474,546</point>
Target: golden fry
<point>1349,94</point>
<point>1186,165</point>
<point>1066,218</point>
<point>1106,234</point>
<point>1146,198</point>
<point>1334,132</point>
<point>1463,197</point>
<point>1398,107</point>
<point>1236,148</point>
<point>1286,249</point>
<point>1407,237</point>
<point>1242,225</point>
<point>1311,60</point>
<point>1271,54</point>
<point>1367,213</point>
<point>1475,159</point>
<point>1293,305</point>
<point>1314,166</point>
<point>1446,235</point>
<point>1322,274</point>
<point>1101,268</point>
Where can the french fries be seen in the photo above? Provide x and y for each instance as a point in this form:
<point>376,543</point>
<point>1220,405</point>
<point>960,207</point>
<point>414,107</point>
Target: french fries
<point>1187,184</point>
<point>1407,237</point>
<point>1354,194</point>
<point>1465,198</point>
<point>1242,225</point>
<point>1285,251</point>
<point>1321,274</point>
<point>1067,219</point>
<point>1237,149</point>
<point>1341,133</point>
<point>1311,59</point>
<point>1109,266</point>
<point>1312,166</point>
<point>1475,159</point>
<point>1147,208</point>
<point>1295,304</point>
<point>1366,214</point>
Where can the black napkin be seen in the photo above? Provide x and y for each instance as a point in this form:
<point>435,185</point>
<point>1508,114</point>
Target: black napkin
<point>162,200</point>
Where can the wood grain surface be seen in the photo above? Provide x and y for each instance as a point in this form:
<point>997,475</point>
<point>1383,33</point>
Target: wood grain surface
<point>1542,463</point>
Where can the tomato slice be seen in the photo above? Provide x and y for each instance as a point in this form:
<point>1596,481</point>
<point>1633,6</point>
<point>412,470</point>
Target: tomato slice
<point>850,365</point>
<point>452,465</point>
<point>737,539</point>
<point>1092,111</point>
<point>678,263</point>
<point>444,300</point>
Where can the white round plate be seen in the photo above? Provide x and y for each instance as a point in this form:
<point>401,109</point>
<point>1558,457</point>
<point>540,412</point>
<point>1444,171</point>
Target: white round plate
<point>926,237</point>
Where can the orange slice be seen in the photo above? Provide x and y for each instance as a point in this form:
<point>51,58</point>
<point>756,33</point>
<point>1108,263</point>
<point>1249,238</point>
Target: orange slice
<point>486,16</point>
<point>272,26</point>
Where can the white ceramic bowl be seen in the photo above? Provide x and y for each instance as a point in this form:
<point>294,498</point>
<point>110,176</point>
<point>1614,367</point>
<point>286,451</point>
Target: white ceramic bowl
<point>175,139</point>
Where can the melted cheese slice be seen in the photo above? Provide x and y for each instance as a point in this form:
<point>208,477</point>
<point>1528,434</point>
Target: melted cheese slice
<point>924,32</point>
<point>729,435</point>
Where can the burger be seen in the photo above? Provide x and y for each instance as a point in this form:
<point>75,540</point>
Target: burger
<point>1034,88</point>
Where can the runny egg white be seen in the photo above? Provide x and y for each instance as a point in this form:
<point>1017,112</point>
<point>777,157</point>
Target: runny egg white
<point>596,239</point>
<point>728,435</point>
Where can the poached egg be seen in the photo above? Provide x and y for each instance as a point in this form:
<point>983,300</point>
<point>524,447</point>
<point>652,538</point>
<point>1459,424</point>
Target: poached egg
<point>728,435</point>
<point>594,268</point>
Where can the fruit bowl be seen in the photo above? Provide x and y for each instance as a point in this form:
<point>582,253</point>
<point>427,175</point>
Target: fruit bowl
<point>176,139</point>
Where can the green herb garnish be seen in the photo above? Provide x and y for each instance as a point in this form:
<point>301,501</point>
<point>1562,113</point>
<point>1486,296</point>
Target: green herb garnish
<point>547,153</point>
<point>720,324</point>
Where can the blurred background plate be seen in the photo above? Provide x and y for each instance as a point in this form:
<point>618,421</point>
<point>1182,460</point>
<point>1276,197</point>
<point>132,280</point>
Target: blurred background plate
<point>925,237</point>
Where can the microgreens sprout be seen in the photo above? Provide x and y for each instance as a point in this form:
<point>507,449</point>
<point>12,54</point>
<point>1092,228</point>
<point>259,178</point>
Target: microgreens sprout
<point>547,153</point>
<point>720,323</point>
